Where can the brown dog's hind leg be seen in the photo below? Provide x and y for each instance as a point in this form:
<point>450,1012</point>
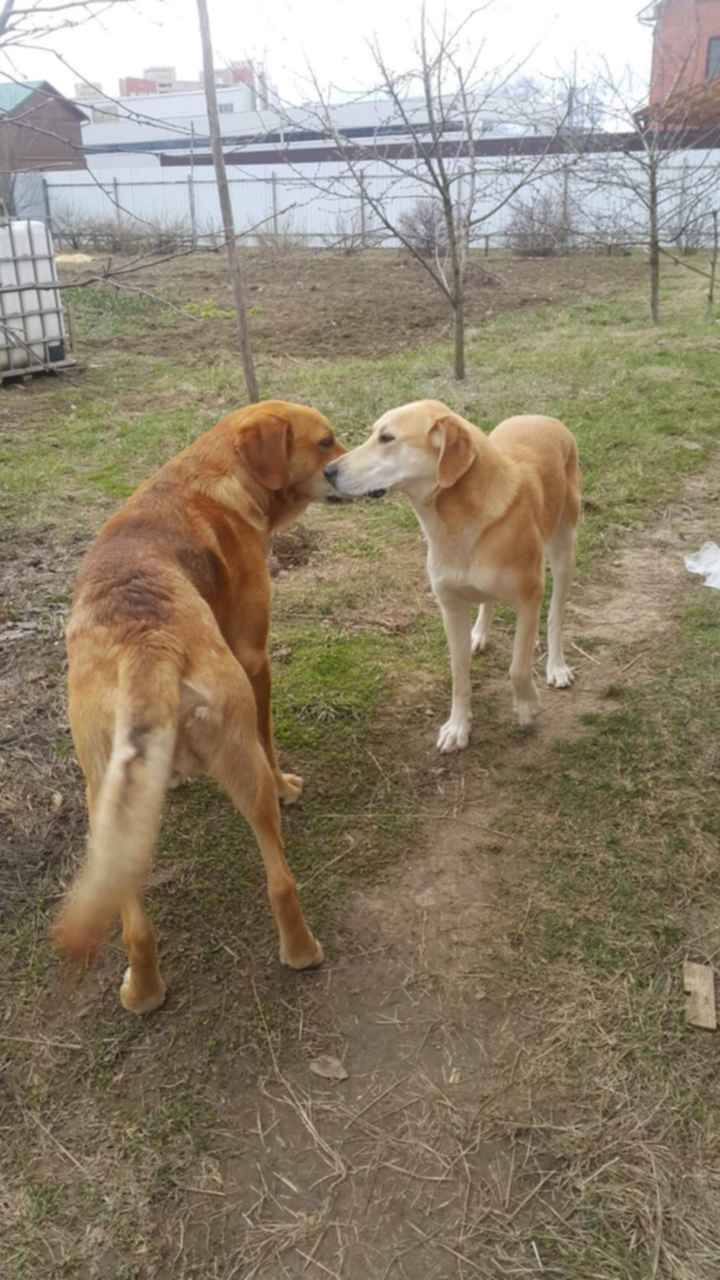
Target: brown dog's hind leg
<point>239,764</point>
<point>143,989</point>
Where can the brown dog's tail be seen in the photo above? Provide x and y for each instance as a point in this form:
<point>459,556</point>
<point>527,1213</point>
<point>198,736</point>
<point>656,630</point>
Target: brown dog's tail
<point>126,814</point>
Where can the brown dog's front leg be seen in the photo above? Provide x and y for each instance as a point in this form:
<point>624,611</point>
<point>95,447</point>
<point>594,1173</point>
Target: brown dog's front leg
<point>242,769</point>
<point>298,948</point>
<point>289,785</point>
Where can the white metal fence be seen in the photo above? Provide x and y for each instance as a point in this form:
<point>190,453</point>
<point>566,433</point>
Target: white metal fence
<point>320,206</point>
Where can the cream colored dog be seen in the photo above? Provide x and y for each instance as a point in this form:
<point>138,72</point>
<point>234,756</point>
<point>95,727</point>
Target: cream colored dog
<point>490,507</point>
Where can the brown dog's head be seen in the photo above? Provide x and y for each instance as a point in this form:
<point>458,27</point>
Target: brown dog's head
<point>285,449</point>
<point>418,448</point>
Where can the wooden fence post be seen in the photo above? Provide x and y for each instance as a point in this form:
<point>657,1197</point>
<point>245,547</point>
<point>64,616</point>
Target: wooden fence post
<point>193,217</point>
<point>275,224</point>
<point>363,216</point>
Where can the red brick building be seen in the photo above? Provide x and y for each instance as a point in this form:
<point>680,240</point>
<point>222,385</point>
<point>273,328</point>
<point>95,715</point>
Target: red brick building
<point>686,49</point>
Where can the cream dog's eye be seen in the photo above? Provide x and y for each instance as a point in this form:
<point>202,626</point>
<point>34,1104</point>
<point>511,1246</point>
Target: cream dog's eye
<point>385,439</point>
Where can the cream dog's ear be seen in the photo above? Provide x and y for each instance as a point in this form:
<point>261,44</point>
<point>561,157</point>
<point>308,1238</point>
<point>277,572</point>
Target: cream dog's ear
<point>456,452</point>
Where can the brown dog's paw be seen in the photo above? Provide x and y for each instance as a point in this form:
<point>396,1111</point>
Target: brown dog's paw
<point>289,787</point>
<point>306,957</point>
<point>136,1002</point>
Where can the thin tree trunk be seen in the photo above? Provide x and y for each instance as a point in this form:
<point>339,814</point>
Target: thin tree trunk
<point>458,305</point>
<point>459,316</point>
<point>654,246</point>
<point>226,203</point>
<point>713,267</point>
<point>565,229</point>
<point>457,266</point>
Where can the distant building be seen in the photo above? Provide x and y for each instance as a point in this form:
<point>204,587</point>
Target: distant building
<point>39,128</point>
<point>242,87</point>
<point>686,51</point>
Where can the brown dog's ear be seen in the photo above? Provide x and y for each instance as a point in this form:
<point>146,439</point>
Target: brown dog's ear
<point>265,445</point>
<point>456,452</point>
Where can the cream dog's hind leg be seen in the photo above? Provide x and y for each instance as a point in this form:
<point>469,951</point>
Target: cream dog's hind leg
<point>561,554</point>
<point>527,703</point>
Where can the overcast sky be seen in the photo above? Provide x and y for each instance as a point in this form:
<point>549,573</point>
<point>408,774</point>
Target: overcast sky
<point>330,35</point>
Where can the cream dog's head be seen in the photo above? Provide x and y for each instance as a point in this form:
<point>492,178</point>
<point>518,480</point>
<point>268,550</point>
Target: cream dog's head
<point>416,449</point>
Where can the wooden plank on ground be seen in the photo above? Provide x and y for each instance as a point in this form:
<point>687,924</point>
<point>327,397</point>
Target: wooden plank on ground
<point>699,984</point>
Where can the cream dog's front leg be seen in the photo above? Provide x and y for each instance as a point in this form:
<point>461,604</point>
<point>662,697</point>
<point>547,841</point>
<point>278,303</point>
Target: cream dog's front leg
<point>455,733</point>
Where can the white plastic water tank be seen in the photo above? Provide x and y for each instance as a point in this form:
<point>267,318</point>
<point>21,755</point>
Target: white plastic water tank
<point>32,327</point>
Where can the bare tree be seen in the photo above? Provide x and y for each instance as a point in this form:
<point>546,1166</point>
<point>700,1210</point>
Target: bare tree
<point>712,274</point>
<point>432,118</point>
<point>570,99</point>
<point>25,22</point>
<point>31,23</point>
<point>656,174</point>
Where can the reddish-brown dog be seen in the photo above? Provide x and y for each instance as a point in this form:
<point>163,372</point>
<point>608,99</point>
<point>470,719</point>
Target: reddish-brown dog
<point>169,671</point>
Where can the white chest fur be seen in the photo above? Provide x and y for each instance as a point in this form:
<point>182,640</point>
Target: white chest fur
<point>475,582</point>
<point>457,568</point>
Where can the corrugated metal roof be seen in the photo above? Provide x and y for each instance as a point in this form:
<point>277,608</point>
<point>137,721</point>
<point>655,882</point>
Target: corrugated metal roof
<point>11,95</point>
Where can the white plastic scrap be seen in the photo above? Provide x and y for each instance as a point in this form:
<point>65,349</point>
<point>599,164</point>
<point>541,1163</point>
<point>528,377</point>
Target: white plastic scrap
<point>707,562</point>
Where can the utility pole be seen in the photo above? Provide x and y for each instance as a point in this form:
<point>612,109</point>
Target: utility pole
<point>226,203</point>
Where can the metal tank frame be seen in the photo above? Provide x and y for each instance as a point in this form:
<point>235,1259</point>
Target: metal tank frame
<point>15,335</point>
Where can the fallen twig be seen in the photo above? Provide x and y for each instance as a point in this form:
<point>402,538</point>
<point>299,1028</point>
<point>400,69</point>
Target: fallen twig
<point>531,1195</point>
<point>68,1154</point>
<point>374,1101</point>
<point>631,663</point>
<point>589,656</point>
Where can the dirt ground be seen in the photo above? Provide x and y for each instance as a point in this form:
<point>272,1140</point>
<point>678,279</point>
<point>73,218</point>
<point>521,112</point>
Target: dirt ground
<point>428,1158</point>
<point>433,1156</point>
<point>321,305</point>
